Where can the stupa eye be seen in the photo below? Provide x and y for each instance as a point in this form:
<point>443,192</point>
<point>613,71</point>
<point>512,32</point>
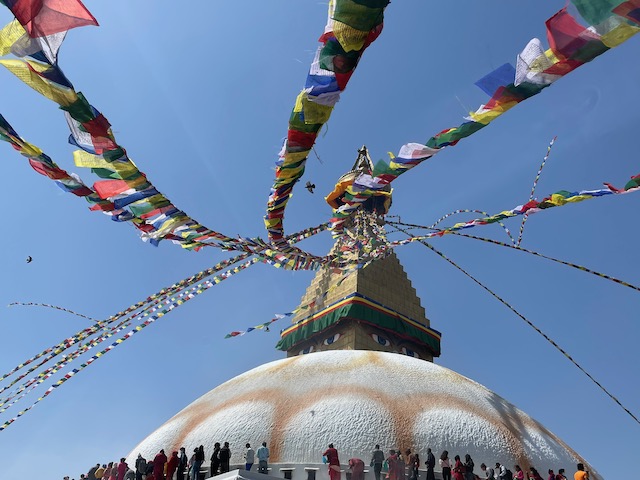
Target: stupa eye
<point>410,353</point>
<point>332,339</point>
<point>381,340</point>
<point>309,349</point>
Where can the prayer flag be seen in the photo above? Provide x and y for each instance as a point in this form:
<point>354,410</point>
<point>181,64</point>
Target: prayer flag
<point>45,17</point>
<point>501,76</point>
<point>595,11</point>
<point>566,36</point>
<point>629,10</point>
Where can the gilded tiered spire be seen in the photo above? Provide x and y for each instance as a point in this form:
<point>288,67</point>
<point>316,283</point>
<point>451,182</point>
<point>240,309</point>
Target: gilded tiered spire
<point>373,306</point>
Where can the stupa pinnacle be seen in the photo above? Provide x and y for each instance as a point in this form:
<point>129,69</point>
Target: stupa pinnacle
<point>372,308</point>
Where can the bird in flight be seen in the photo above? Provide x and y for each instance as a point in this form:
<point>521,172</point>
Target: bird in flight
<point>29,259</point>
<point>310,186</point>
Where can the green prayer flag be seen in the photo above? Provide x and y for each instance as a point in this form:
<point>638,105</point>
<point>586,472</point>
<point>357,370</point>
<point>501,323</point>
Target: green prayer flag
<point>596,11</point>
<point>358,15</point>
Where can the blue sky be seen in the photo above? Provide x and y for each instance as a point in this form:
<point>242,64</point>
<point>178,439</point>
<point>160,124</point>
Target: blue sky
<point>200,98</point>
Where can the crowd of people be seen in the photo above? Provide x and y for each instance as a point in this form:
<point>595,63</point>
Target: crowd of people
<point>395,466</point>
<point>406,466</point>
<point>178,465</point>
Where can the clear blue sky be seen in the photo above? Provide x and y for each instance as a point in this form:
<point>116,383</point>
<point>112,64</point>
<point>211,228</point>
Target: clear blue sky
<point>200,97</point>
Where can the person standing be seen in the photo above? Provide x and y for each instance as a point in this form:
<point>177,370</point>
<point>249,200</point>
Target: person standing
<point>581,474</point>
<point>445,465</point>
<point>501,471</point>
<point>263,456</point>
<point>249,457</point>
<point>122,468</point>
<point>198,459</point>
<point>430,463</point>
<point>458,469</point>
<point>468,468</point>
<point>172,465</point>
<point>141,467</point>
<point>182,464</point>
<point>215,460</point>
<point>114,472</point>
<point>107,472</point>
<point>91,475</point>
<point>158,465</point>
<point>100,472</point>
<point>377,459</point>
<point>395,467</point>
<point>560,475</point>
<point>334,462</point>
<point>225,457</point>
<point>413,462</point>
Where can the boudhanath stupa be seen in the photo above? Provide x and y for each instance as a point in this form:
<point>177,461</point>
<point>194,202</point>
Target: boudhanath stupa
<point>359,372</point>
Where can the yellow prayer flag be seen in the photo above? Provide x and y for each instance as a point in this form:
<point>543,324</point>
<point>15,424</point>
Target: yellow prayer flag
<point>88,160</point>
<point>557,199</point>
<point>350,39</point>
<point>618,35</point>
<point>294,157</point>
<point>315,112</point>
<point>29,150</point>
<point>297,108</point>
<point>20,68</point>
<point>489,116</point>
<point>9,35</point>
<point>578,198</point>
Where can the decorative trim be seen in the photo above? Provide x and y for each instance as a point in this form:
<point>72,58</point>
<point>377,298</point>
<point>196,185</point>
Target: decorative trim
<point>359,307</point>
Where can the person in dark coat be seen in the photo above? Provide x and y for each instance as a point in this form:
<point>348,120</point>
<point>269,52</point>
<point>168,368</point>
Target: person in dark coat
<point>430,463</point>
<point>158,465</point>
<point>182,464</point>
<point>215,459</point>
<point>225,456</point>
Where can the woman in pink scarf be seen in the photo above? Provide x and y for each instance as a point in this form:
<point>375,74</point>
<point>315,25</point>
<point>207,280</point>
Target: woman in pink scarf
<point>333,461</point>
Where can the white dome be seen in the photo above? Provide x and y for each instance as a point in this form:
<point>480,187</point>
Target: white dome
<point>356,399</point>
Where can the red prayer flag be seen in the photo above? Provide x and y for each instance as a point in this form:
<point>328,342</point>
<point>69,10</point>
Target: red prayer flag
<point>566,36</point>
<point>629,10</point>
<point>54,173</point>
<point>46,17</point>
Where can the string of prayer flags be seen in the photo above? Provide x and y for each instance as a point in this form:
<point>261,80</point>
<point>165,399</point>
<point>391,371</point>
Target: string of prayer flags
<point>154,306</point>
<point>169,306</point>
<point>528,322</point>
<point>558,199</point>
<point>262,326</point>
<point>572,45</point>
<point>128,192</point>
<point>351,27</point>
<point>533,188</point>
<point>55,307</point>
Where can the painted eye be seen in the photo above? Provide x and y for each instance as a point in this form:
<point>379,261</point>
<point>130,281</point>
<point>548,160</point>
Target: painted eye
<point>410,353</point>
<point>332,339</point>
<point>309,349</point>
<point>381,340</point>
